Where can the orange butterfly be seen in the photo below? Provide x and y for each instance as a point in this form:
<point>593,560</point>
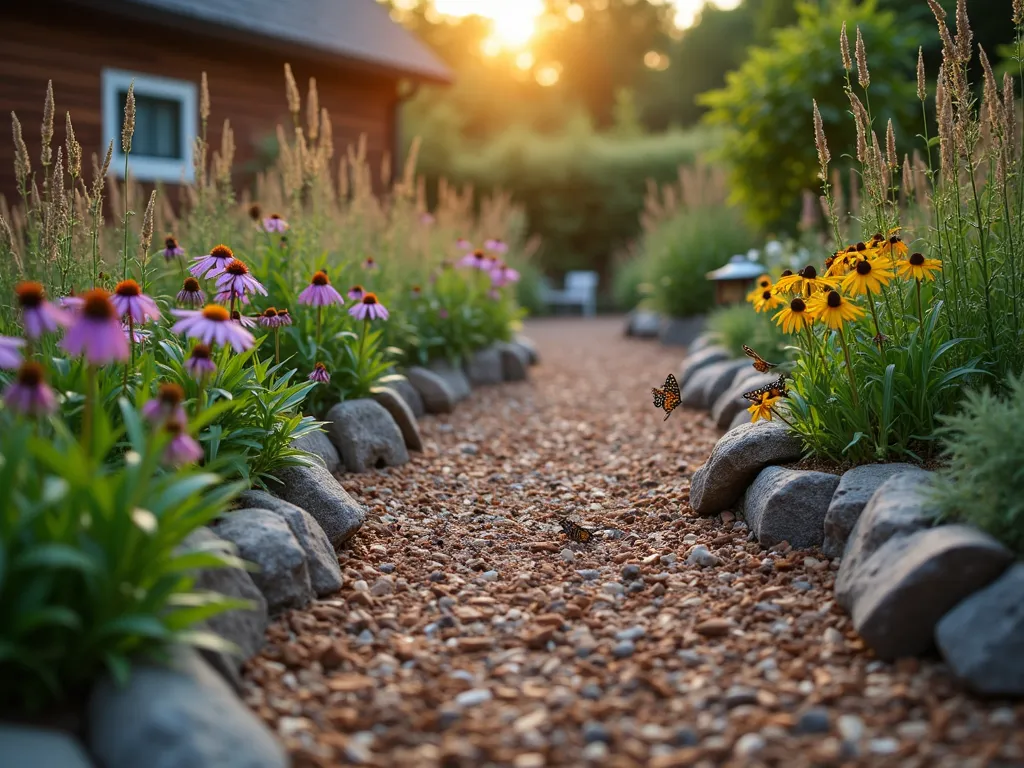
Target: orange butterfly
<point>775,389</point>
<point>667,397</point>
<point>576,532</point>
<point>762,365</point>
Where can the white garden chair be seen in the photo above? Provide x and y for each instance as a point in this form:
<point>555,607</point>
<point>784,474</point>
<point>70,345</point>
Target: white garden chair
<point>580,291</point>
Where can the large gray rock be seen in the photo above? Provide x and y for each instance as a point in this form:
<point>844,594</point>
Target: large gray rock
<point>902,505</point>
<point>321,447</point>
<point>243,627</point>
<point>410,394</point>
<point>25,747</point>
<point>913,581</point>
<point>731,402</point>
<point>366,436</point>
<point>453,377</point>
<point>643,324</point>
<point>527,344</point>
<point>321,559</point>
<point>437,395</point>
<point>515,362</point>
<point>681,331</point>
<point>709,383</point>
<point>179,715</point>
<point>697,360</point>
<point>265,539</point>
<point>788,505</point>
<point>853,494</point>
<point>702,342</point>
<point>402,414</point>
<point>741,418</point>
<point>982,638</point>
<point>737,458</point>
<point>316,491</point>
<point>484,367</point>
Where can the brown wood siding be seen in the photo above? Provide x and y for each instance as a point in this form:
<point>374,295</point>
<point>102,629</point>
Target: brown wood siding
<point>45,40</point>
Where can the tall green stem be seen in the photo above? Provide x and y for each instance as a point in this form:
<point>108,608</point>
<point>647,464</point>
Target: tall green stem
<point>849,368</point>
<point>362,343</point>
<point>920,311</point>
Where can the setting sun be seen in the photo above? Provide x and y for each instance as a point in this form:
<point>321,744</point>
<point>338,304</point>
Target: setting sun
<point>513,23</point>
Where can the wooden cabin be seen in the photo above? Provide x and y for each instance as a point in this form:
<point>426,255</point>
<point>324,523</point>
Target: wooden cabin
<point>363,62</point>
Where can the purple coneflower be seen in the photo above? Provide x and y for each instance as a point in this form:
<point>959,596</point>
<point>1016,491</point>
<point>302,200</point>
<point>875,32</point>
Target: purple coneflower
<point>212,325</point>
<point>320,374</point>
<point>284,316</point>
<point>442,313</point>
<point>503,274</point>
<point>182,449</point>
<point>475,260</point>
<point>166,406</point>
<point>10,356</point>
<point>215,261</point>
<point>243,320</point>
<point>463,244</point>
<point>225,297</point>
<point>71,303</point>
<point>320,292</point>
<point>134,334</point>
<point>270,318</point>
<point>416,292</point>
<point>497,245</point>
<point>191,294</point>
<point>356,293</point>
<point>96,332</point>
<point>29,392</point>
<point>199,365</point>
<point>494,294</point>
<point>131,302</point>
<point>39,315</point>
<point>369,309</point>
<point>171,249</point>
<point>427,219</point>
<point>369,264</point>
<point>236,281</point>
<point>274,223</point>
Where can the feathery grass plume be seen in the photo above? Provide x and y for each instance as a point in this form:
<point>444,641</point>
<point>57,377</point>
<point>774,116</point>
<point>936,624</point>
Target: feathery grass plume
<point>844,47</point>
<point>863,76</point>
<point>907,178</point>
<point>385,168</point>
<point>1009,115</point>
<point>1018,11</point>
<point>312,111</point>
<point>964,35</point>
<point>947,131</point>
<point>47,128</point>
<point>74,148</point>
<point>99,174</point>
<point>146,236</point>
<point>227,153</point>
<point>22,163</point>
<point>891,158</point>
<point>824,157</point>
<point>937,10</point>
<point>990,96</point>
<point>860,119</point>
<point>128,128</point>
<point>837,191</point>
<point>881,166</point>
<point>292,92</point>
<point>7,244</point>
<point>326,137</point>
<point>204,98</point>
<point>922,88</point>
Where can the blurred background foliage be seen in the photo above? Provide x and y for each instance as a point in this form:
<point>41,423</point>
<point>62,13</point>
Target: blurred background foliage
<point>595,98</point>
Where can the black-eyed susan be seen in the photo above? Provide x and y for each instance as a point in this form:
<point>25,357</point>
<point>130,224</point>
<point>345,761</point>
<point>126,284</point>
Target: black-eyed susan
<point>867,276</point>
<point>893,246</point>
<point>833,309</point>
<point>795,317</point>
<point>763,284</point>
<point>767,301</point>
<point>804,283</point>
<point>762,410</point>
<point>918,267</point>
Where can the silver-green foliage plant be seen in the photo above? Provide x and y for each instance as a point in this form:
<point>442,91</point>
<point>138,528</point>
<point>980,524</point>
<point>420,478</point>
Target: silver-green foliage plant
<point>983,483</point>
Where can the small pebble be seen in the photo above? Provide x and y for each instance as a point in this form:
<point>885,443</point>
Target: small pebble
<point>630,572</point>
<point>591,691</point>
<point>669,558</point>
<point>469,449</point>
<point>685,737</point>
<point>567,555</point>
<point>701,556</point>
<point>749,744</point>
<point>473,697</point>
<point>636,586</point>
<point>596,752</point>
<point>883,746</point>
<point>851,727</point>
<point>813,721</point>
<point>437,576</point>
<point>387,568</point>
<point>613,588</point>
<point>589,574</point>
<point>489,575</point>
<point>633,633</point>
<point>595,731</point>
<point>624,650</point>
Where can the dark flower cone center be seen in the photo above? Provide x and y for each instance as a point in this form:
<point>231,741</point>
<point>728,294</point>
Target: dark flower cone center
<point>320,367</point>
<point>478,254</point>
<point>863,268</point>
<point>369,261</point>
<point>766,295</point>
<point>764,283</point>
<point>201,352</point>
<point>797,305</point>
<point>30,294</point>
<point>191,285</point>
<point>222,252</point>
<point>320,278</point>
<point>861,247</point>
<point>283,312</point>
<point>808,272</point>
<point>97,305</point>
<point>30,374</point>
<point>174,427</point>
<point>894,239</point>
<point>917,259</point>
<point>834,299</point>
<point>216,313</point>
<point>236,315</point>
<point>270,312</point>
<point>416,289</point>
<point>254,211</point>
<point>275,216</point>
<point>171,394</point>
<point>787,272</point>
<point>236,268</point>
<point>369,299</point>
<point>128,288</point>
<point>170,243</point>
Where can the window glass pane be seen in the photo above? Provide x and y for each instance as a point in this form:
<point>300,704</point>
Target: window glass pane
<point>157,126</point>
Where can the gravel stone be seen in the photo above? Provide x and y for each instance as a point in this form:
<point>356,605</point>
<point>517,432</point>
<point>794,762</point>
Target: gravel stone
<point>630,572</point>
<point>624,649</point>
<point>813,721</point>
<point>700,556</point>
<point>595,731</point>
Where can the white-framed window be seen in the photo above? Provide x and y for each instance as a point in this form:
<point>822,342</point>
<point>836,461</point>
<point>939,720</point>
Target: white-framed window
<point>166,119</point>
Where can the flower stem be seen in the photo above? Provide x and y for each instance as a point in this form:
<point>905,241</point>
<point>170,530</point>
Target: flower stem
<point>90,394</point>
<point>920,311</point>
<point>277,346</point>
<point>362,342</point>
<point>849,368</point>
<point>874,314</point>
<point>319,319</point>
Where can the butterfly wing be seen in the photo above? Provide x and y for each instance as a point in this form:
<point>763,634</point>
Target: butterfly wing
<point>760,364</point>
<point>671,398</point>
<point>671,385</point>
<point>659,397</point>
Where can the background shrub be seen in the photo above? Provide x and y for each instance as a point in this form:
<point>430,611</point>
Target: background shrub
<point>735,326</point>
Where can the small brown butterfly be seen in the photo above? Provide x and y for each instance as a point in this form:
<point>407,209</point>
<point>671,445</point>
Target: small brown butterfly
<point>667,397</point>
<point>576,532</point>
<point>776,389</point>
<point>762,365</point>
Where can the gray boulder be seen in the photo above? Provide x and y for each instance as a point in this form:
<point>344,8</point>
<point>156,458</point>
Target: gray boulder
<point>731,402</point>
<point>178,715</point>
<point>453,377</point>
<point>853,494</point>
<point>265,539</point>
<point>437,395</point>
<point>321,560</point>
<point>901,506</point>
<point>515,362</point>
<point>681,331</point>
<point>741,418</point>
<point>696,360</point>
<point>643,324</point>
<point>737,458</point>
<point>788,505</point>
<point>243,627</point>
<point>484,367</point>
<point>710,383</point>
<point>702,342</point>
<point>913,581</point>
<point>366,436</point>
<point>25,747</point>
<point>402,414</point>
<point>321,447</point>
<point>410,394</point>
<point>528,345</point>
<point>316,491</point>
<point>982,638</point>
